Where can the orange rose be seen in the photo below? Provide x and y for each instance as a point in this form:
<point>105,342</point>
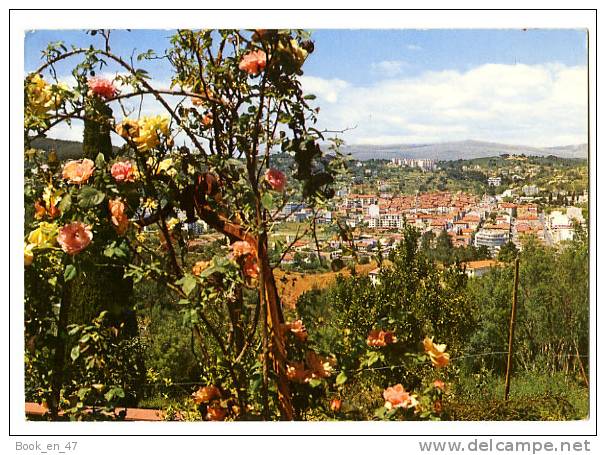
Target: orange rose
<point>241,248</point>
<point>41,210</point>
<point>335,405</point>
<point>206,394</point>
<point>207,120</point>
<point>251,268</point>
<point>397,397</point>
<point>74,237</point>
<point>216,413</point>
<point>380,338</point>
<point>118,216</point>
<point>78,171</point>
<point>296,372</point>
<point>297,329</point>
<point>440,361</point>
<point>437,406</point>
<point>253,62</point>
<point>439,358</point>
<point>321,367</point>
<point>439,384</point>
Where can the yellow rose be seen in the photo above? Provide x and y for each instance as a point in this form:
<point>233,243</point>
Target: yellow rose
<point>150,129</point>
<point>165,165</point>
<point>40,96</point>
<point>51,196</point>
<point>128,129</point>
<point>44,236</point>
<point>298,53</point>
<point>28,257</point>
<point>171,223</point>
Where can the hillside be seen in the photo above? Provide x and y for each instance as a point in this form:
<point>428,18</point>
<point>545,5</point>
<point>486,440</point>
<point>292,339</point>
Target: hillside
<point>469,149</point>
<point>65,149</point>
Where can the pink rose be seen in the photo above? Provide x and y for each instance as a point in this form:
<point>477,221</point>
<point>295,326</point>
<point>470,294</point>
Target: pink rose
<point>101,87</point>
<point>78,171</point>
<point>276,179</point>
<point>123,171</point>
<point>253,62</point>
<point>74,237</point>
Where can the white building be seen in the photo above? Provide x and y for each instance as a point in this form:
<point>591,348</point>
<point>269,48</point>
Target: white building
<point>530,190</point>
<point>494,181</point>
<point>560,227</point>
<point>493,239</point>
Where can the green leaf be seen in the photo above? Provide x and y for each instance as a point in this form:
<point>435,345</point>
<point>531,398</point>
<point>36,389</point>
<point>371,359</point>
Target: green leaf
<point>114,392</point>
<point>75,352</point>
<point>83,392</point>
<point>90,197</point>
<point>309,97</point>
<point>188,284</point>
<point>341,378</point>
<point>373,357</point>
<point>267,200</point>
<point>69,273</point>
<point>65,204</point>
<point>315,382</point>
<point>73,330</point>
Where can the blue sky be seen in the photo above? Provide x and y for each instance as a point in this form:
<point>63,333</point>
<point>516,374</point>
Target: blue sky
<point>514,86</point>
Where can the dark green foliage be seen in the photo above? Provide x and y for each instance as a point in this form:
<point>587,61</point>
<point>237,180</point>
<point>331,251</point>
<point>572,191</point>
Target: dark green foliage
<point>441,250</point>
<point>97,137</point>
<point>553,309</point>
<point>170,349</point>
<point>412,298</point>
<point>100,286</point>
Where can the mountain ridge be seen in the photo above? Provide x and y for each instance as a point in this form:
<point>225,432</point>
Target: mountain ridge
<point>455,150</point>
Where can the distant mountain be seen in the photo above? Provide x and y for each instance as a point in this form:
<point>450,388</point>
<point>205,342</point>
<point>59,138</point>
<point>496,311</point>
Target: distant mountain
<point>442,151</point>
<point>448,151</point>
<point>66,150</point>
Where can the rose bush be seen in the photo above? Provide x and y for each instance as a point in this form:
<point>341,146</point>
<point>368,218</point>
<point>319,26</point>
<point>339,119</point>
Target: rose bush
<point>243,84</point>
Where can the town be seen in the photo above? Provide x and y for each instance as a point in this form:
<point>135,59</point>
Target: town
<point>506,207</point>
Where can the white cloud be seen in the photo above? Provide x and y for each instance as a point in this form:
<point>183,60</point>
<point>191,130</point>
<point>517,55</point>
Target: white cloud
<point>389,68</point>
<point>413,47</point>
<point>73,132</point>
<point>537,105</point>
<point>326,89</point>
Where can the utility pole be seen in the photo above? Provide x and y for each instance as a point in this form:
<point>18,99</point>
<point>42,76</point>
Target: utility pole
<point>512,325</point>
